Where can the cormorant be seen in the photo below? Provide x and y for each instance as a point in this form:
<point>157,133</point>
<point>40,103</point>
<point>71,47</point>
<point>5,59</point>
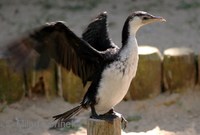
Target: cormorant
<point>94,57</point>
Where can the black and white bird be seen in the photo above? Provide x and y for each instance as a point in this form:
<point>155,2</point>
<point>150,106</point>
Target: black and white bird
<point>94,57</point>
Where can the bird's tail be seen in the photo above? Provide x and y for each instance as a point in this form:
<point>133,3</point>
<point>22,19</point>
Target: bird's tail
<point>66,117</point>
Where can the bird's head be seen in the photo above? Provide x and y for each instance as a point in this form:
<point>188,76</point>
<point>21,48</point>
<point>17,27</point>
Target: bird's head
<point>141,18</point>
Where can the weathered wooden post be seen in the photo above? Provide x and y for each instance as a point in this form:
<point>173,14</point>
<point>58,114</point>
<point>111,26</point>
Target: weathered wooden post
<point>102,127</point>
<point>11,83</point>
<point>72,86</point>
<point>198,69</point>
<point>179,69</point>
<point>44,81</point>
<point>147,83</point>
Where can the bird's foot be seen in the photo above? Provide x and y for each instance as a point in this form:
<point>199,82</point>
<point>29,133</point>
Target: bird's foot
<point>109,116</point>
<point>123,120</point>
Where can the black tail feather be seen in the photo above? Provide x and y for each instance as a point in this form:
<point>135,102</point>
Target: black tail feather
<point>66,117</point>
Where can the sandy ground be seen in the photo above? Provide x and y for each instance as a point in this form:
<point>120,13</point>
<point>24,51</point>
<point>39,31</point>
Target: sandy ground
<point>168,114</point>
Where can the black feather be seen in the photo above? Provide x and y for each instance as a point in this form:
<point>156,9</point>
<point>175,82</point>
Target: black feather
<point>65,117</point>
<point>58,42</point>
<point>96,34</point>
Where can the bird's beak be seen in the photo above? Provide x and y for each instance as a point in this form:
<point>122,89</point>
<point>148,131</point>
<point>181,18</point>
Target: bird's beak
<point>153,19</point>
<point>158,19</point>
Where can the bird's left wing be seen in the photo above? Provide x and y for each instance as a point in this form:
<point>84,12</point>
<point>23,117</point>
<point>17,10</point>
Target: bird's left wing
<point>58,42</point>
<point>96,33</point>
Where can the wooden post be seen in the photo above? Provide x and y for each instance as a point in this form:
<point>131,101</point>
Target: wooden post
<point>179,69</point>
<point>198,69</point>
<point>11,83</point>
<point>102,127</point>
<point>147,83</point>
<point>44,81</point>
<point>72,86</point>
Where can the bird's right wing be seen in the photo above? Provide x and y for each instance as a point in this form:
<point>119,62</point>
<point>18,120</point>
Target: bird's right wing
<point>96,33</point>
<point>58,42</point>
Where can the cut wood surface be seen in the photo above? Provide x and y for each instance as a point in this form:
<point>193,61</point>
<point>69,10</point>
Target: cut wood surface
<point>147,83</point>
<point>179,69</point>
<point>102,127</point>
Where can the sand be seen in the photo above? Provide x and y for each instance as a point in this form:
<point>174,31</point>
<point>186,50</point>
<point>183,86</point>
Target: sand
<point>167,114</point>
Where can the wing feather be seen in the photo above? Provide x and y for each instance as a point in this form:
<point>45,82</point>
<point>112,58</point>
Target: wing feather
<point>56,41</point>
<point>96,33</point>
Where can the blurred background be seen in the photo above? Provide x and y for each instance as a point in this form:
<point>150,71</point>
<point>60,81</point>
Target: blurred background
<point>166,114</point>
<point>181,29</point>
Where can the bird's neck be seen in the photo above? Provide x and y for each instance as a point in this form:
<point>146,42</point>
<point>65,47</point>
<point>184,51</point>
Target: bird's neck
<point>129,42</point>
<point>130,48</point>
<point>129,30</point>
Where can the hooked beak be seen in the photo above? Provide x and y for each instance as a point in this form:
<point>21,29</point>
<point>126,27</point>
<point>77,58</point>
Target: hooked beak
<point>158,19</point>
<point>154,19</point>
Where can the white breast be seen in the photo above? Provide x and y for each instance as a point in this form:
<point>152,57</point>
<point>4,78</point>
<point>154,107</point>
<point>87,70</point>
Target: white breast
<point>116,79</point>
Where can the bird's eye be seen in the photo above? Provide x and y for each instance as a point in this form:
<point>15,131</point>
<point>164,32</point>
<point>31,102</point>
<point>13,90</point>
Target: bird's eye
<point>145,18</point>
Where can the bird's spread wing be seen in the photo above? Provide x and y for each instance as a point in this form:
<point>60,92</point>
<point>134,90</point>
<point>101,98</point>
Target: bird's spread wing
<point>96,34</point>
<point>57,41</point>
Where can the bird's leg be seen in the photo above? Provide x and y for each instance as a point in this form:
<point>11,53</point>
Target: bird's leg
<point>94,114</point>
<point>115,114</point>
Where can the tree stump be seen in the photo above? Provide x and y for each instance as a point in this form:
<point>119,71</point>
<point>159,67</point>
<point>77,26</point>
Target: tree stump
<point>179,69</point>
<point>11,83</point>
<point>198,70</point>
<point>147,83</point>
<point>102,127</point>
<point>27,77</point>
<point>72,87</point>
<point>44,82</point>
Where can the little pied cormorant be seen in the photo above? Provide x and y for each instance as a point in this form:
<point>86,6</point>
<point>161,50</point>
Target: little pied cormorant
<point>94,57</point>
